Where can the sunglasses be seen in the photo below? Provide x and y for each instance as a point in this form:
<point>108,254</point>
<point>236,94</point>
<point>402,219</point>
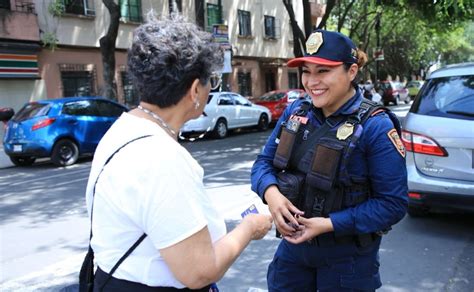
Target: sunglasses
<point>215,80</point>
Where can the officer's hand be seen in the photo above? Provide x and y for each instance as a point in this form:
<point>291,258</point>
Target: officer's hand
<point>311,227</point>
<point>259,224</point>
<point>282,211</point>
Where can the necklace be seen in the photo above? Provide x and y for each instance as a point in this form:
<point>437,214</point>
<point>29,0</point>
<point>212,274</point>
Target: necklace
<point>160,120</point>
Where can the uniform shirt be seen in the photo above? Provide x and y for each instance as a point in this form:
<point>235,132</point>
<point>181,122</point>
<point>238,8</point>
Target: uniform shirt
<point>375,159</point>
<point>152,186</point>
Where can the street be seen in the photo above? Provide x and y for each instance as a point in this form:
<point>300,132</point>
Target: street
<point>45,229</point>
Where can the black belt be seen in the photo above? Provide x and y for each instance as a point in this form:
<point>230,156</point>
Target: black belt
<point>329,239</point>
<point>118,285</point>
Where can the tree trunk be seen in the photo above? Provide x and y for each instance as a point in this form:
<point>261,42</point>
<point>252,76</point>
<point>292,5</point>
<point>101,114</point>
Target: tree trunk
<point>308,26</point>
<point>329,6</point>
<point>107,49</point>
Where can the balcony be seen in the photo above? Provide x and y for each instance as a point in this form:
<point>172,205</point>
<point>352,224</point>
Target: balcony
<point>19,20</point>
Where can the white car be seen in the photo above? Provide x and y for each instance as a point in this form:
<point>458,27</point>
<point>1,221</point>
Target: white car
<point>225,111</point>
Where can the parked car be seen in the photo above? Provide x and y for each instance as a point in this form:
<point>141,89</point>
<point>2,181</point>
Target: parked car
<point>438,134</point>
<point>393,92</point>
<point>225,111</point>
<point>62,129</point>
<point>414,87</point>
<point>277,101</point>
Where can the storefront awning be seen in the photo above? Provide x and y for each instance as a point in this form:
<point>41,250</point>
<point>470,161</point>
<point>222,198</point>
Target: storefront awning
<point>18,66</point>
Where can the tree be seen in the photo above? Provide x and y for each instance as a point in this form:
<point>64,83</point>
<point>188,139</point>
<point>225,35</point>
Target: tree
<point>107,49</point>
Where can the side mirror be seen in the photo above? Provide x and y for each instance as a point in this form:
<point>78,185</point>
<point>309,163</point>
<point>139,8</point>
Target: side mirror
<point>6,113</point>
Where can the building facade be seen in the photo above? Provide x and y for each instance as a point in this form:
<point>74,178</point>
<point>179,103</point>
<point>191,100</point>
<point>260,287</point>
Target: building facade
<point>50,48</point>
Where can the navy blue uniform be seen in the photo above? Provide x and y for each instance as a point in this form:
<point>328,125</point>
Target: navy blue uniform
<point>377,161</point>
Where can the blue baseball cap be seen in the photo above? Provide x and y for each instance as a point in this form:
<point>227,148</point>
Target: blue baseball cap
<point>328,48</point>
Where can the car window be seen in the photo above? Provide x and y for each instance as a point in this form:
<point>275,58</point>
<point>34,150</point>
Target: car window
<point>272,96</point>
<point>447,97</point>
<point>293,94</point>
<point>108,109</point>
<point>80,108</point>
<point>31,110</point>
<point>240,100</point>
<point>210,98</point>
<point>225,99</point>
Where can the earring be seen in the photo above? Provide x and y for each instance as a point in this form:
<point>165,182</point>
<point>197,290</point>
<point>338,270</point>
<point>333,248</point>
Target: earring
<point>196,105</point>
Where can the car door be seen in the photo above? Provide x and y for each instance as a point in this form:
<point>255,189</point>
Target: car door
<point>226,109</point>
<point>80,123</point>
<point>244,112</point>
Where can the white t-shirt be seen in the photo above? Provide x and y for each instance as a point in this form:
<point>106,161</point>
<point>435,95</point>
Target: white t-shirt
<point>153,186</point>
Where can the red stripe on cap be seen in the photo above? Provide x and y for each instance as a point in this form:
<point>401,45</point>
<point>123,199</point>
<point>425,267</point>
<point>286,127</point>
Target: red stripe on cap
<point>296,62</point>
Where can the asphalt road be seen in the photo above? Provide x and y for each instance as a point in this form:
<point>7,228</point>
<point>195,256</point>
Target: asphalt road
<point>44,228</point>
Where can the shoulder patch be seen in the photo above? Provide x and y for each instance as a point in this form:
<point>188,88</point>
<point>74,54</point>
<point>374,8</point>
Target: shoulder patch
<point>397,142</point>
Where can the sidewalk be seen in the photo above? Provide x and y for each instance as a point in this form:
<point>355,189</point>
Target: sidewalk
<point>4,159</point>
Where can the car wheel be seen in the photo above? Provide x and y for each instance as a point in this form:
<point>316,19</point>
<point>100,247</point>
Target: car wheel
<point>417,211</point>
<point>22,160</point>
<point>65,152</point>
<point>220,130</point>
<point>263,123</point>
<point>385,103</point>
<point>397,100</point>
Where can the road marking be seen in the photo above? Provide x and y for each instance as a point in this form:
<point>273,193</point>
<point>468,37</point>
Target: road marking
<point>242,165</point>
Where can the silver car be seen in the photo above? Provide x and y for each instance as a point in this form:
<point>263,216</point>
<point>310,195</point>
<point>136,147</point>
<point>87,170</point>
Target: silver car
<point>225,111</point>
<point>438,133</point>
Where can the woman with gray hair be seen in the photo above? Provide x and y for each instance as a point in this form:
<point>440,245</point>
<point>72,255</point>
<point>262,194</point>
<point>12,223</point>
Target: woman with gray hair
<point>153,225</point>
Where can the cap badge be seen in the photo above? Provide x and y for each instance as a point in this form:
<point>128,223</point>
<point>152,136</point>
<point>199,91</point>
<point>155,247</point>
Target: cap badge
<point>313,43</point>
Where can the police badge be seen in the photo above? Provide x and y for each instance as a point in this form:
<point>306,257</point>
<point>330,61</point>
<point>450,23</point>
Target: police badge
<point>344,131</point>
<point>313,43</point>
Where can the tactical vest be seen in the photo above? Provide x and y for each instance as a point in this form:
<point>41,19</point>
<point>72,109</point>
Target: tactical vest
<point>313,162</point>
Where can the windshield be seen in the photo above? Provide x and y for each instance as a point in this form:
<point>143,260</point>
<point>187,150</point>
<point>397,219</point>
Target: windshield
<point>447,97</point>
<point>272,96</point>
<point>31,110</point>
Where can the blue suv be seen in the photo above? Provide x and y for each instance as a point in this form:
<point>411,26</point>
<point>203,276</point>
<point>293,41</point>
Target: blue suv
<point>62,129</point>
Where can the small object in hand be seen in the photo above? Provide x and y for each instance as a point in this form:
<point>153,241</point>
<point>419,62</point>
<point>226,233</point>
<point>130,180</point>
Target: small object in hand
<point>249,210</point>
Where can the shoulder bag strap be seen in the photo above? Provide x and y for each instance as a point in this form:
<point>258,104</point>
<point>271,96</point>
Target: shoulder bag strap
<point>130,250</point>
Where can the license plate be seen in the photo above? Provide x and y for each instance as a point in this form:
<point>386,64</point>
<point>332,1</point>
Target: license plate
<point>17,148</point>
<point>249,210</point>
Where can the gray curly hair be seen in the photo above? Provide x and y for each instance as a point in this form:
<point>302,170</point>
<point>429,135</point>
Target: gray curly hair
<point>167,55</point>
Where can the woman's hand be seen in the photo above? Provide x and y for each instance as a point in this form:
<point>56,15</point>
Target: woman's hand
<point>282,211</point>
<point>260,224</point>
<point>309,228</point>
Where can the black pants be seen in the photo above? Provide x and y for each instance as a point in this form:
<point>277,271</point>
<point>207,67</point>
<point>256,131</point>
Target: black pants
<point>117,285</point>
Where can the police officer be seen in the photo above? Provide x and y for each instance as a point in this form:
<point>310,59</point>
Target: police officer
<point>333,175</point>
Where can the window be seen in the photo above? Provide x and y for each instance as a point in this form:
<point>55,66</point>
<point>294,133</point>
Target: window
<point>5,4</point>
<point>270,27</point>
<point>80,108</point>
<point>214,15</point>
<point>108,109</point>
<point>449,97</point>
<point>80,7</point>
<point>240,100</point>
<point>129,94</point>
<point>270,81</point>
<point>245,83</point>
<point>293,80</point>
<point>131,10</point>
<point>244,23</point>
<point>77,83</point>
<point>225,99</point>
